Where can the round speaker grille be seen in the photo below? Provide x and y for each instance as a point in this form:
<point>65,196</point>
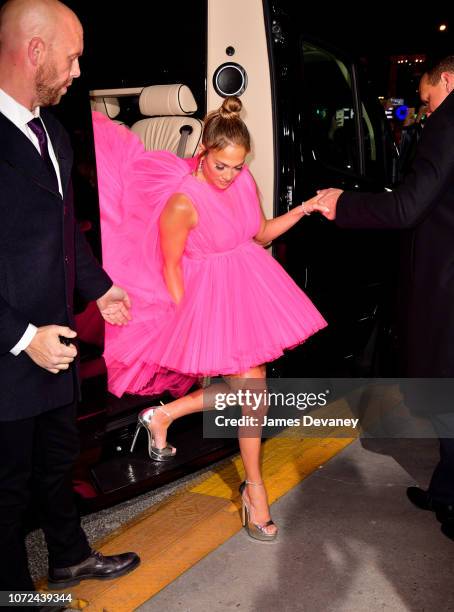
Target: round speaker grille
<point>230,79</point>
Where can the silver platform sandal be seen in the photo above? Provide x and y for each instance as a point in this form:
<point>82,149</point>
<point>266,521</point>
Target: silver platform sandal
<point>144,420</point>
<point>254,531</point>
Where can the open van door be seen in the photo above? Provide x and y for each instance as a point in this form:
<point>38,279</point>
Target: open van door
<point>314,124</point>
<point>331,132</point>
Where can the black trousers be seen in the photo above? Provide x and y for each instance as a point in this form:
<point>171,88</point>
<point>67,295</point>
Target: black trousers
<point>36,460</point>
<point>441,486</point>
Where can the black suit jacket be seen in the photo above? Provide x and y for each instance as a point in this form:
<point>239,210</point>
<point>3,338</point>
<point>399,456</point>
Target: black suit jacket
<point>43,258</point>
<point>424,202</point>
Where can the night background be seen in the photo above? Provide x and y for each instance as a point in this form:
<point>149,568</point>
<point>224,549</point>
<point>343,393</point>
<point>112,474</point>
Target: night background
<point>380,35</point>
<point>386,35</point>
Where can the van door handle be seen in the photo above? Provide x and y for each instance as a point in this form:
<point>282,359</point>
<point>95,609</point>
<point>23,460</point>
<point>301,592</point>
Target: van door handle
<point>289,196</point>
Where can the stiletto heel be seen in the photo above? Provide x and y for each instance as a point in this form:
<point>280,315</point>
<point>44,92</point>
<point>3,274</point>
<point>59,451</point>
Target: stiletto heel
<point>244,517</point>
<point>255,531</point>
<point>136,434</point>
<point>145,419</point>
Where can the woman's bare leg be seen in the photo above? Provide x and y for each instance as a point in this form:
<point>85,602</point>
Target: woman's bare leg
<point>196,401</point>
<point>249,439</point>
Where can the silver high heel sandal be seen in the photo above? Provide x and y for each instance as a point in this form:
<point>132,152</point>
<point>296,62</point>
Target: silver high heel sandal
<point>254,531</point>
<point>144,419</point>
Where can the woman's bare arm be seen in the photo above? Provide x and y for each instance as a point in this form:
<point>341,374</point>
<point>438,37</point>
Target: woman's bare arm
<point>176,221</point>
<point>272,228</point>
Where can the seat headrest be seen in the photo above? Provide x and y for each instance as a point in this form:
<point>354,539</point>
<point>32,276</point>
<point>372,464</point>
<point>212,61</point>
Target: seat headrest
<point>161,100</point>
<point>108,106</point>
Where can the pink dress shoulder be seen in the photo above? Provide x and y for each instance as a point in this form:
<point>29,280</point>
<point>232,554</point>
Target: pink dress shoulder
<point>240,308</point>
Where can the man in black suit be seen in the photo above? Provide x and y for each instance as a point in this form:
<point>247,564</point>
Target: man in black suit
<point>43,258</point>
<point>423,203</point>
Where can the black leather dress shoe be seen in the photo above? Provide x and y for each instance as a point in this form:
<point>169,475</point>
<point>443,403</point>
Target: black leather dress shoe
<point>96,566</point>
<point>447,529</point>
<point>423,500</point>
<point>420,498</point>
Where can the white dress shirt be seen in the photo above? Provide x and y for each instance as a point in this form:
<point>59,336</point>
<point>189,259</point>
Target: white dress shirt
<point>20,116</point>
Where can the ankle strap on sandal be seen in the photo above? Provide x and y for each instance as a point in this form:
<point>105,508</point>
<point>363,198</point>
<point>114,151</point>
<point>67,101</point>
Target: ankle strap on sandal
<point>164,411</point>
<point>256,484</point>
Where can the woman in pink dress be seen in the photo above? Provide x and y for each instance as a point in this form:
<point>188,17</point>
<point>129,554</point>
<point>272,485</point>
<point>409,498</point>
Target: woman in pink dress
<point>185,238</point>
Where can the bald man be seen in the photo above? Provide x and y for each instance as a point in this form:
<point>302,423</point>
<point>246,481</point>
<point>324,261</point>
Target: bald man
<point>43,259</point>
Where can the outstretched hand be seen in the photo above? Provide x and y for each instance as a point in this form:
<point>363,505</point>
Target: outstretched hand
<point>310,206</point>
<point>328,198</point>
<point>114,306</point>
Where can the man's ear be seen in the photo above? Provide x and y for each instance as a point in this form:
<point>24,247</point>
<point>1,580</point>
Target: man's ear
<point>36,48</point>
<point>447,78</point>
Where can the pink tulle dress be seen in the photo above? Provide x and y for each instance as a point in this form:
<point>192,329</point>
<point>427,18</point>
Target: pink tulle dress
<point>240,308</point>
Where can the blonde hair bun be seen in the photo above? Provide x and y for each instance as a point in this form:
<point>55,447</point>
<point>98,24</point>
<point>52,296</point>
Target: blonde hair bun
<point>231,108</point>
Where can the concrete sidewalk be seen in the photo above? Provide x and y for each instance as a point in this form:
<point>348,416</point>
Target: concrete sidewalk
<point>349,541</point>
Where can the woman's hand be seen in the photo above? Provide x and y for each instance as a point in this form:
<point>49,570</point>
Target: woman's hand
<point>310,206</point>
<point>272,228</point>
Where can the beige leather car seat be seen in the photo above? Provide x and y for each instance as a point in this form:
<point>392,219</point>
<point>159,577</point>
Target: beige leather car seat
<point>169,125</point>
<point>109,106</point>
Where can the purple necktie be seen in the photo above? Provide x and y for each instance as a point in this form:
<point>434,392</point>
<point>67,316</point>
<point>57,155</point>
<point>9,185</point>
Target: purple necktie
<point>37,127</point>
